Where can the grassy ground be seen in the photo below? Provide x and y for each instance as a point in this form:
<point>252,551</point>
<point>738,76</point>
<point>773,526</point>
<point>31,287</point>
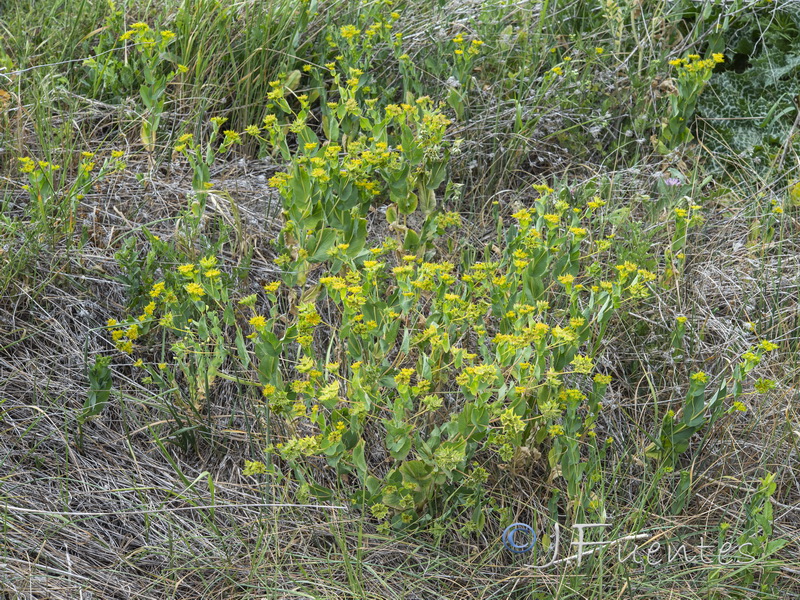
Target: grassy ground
<point>272,326</point>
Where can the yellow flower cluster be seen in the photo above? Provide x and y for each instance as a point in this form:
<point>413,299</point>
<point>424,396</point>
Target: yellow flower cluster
<point>349,31</point>
<point>297,447</point>
<point>29,165</point>
<point>486,374</point>
<point>461,46</point>
<point>694,64</point>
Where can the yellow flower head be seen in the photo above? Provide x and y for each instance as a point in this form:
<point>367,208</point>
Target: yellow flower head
<point>271,288</point>
<point>194,289</point>
<point>349,31</point>
<point>258,322</point>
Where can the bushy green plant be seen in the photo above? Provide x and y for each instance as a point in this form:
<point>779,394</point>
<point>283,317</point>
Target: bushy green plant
<point>531,332</point>
<point>155,68</point>
<point>701,408</point>
<point>192,308</point>
<point>691,76</point>
<point>54,199</point>
<point>201,156</point>
<point>397,154</point>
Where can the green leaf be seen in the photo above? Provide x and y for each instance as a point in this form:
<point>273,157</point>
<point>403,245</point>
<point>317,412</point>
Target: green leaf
<point>456,102</point>
<point>398,439</point>
<point>356,237</point>
<point>373,484</point>
<point>293,80</point>
<point>359,460</point>
<point>427,200</point>
<point>411,241</point>
<point>318,245</point>
<point>148,136</point>
<point>99,388</point>
<point>437,175</point>
<point>682,493</point>
<point>407,205</point>
<point>202,328</point>
<point>307,136</point>
<point>244,355</point>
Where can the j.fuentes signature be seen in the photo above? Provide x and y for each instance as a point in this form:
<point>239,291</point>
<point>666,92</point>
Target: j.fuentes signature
<point>520,538</point>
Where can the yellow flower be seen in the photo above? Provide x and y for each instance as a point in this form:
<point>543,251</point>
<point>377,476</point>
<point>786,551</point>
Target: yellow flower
<point>157,289</point>
<point>186,270</point>
<point>566,279</point>
<point>259,322</point>
<point>552,219</point>
<point>271,288</point>
<point>28,166</point>
<point>349,31</point>
<point>232,137</point>
<point>194,289</point>
<point>253,467</point>
<point>582,364</point>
